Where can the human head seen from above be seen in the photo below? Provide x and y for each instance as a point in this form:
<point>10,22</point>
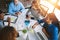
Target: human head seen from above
<point>1,15</point>
<point>15,2</point>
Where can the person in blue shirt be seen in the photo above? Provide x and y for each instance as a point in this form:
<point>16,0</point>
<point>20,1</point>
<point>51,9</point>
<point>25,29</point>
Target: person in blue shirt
<point>50,29</point>
<point>16,7</point>
<point>2,20</point>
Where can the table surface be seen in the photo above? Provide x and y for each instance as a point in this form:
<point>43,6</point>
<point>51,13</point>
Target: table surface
<point>20,25</point>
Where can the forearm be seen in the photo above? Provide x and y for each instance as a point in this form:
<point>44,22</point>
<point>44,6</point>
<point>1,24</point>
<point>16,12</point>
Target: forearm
<point>40,21</point>
<point>45,32</point>
<point>11,13</point>
<point>22,7</point>
<point>9,21</point>
<point>10,10</point>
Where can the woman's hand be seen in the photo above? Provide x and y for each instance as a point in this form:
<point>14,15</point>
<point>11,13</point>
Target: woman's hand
<point>17,13</point>
<point>45,32</point>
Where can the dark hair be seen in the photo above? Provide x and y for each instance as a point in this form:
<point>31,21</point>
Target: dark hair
<point>8,33</point>
<point>1,12</point>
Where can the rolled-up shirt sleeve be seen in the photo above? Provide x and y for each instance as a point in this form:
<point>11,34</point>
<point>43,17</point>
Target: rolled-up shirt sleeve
<point>10,10</point>
<point>22,7</point>
<point>16,8</point>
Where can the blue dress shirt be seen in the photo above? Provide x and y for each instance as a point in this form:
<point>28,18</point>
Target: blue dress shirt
<point>15,8</point>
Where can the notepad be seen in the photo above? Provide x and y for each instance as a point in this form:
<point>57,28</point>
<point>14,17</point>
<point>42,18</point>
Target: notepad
<point>13,18</point>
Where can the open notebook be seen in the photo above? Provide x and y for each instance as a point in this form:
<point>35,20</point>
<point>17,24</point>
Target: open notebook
<point>13,18</point>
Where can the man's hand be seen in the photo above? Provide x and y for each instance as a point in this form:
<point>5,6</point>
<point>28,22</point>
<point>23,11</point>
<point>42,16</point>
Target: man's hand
<point>17,13</point>
<point>35,25</point>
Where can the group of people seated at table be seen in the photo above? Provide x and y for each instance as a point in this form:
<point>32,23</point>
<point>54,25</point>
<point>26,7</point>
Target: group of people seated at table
<point>16,8</point>
<point>8,32</point>
<point>50,29</point>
